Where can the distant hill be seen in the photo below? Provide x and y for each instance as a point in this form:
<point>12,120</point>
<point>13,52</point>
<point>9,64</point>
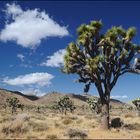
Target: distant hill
<point>31,97</point>
<point>25,99</point>
<point>50,98</point>
<point>79,99</point>
<point>53,97</point>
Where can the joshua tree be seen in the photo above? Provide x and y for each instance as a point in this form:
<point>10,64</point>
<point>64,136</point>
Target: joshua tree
<point>38,108</point>
<point>65,104</point>
<point>136,102</point>
<point>12,102</point>
<point>101,59</point>
<point>95,105</point>
<point>55,107</point>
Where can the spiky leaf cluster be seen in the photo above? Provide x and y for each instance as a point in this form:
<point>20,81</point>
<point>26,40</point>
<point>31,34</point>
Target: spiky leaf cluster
<point>12,102</point>
<point>65,104</point>
<point>101,58</point>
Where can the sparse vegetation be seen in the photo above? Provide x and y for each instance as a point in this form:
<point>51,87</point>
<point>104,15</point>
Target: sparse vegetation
<point>67,121</point>
<point>74,133</point>
<point>136,102</point>
<point>52,137</point>
<point>82,124</point>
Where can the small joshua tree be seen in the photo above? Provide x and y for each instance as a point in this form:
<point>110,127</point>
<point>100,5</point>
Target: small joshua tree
<point>94,105</point>
<point>13,103</point>
<point>38,108</point>
<point>65,104</point>
<point>136,102</point>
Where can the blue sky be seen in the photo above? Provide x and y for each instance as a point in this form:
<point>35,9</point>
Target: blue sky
<point>31,49</point>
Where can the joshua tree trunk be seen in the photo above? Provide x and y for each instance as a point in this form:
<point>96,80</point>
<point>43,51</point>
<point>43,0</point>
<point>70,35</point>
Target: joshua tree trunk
<point>65,112</point>
<point>105,116</point>
<point>105,110</point>
<point>13,110</point>
<point>139,113</point>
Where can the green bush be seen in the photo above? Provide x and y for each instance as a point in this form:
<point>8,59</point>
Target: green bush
<point>136,102</point>
<point>94,105</point>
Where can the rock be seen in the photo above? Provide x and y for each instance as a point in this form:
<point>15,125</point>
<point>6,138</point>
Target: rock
<point>116,122</point>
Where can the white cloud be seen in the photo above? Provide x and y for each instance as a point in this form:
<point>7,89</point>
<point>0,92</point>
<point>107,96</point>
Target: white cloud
<point>21,57</point>
<point>38,79</point>
<point>33,91</point>
<point>27,28</point>
<point>56,60</point>
<point>119,97</point>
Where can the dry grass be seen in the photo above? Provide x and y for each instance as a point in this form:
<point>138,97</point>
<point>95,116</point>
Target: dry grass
<point>50,125</point>
<point>129,115</point>
<point>75,133</point>
<point>52,137</point>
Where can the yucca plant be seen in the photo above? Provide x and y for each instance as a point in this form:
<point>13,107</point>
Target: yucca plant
<point>101,58</point>
<point>13,103</point>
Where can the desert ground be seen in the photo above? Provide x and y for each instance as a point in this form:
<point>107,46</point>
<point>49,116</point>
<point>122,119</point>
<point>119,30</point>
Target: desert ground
<point>81,124</point>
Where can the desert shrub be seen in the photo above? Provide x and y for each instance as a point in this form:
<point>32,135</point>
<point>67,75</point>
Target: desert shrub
<point>52,136</point>
<point>79,121</point>
<point>38,126</point>
<point>29,107</point>
<point>32,137</point>
<point>38,109</point>
<point>14,127</point>
<point>4,106</point>
<point>136,102</point>
<point>89,117</point>
<point>56,124</point>
<point>24,117</point>
<point>67,121</point>
<point>116,122</point>
<point>55,107</point>
<point>73,117</point>
<point>72,133</point>
<point>134,126</point>
<point>4,119</point>
<point>128,107</point>
<point>128,115</point>
<point>94,105</point>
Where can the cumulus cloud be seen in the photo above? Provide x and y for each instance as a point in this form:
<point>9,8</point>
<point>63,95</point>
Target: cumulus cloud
<point>38,79</point>
<point>33,91</point>
<point>28,27</point>
<point>21,57</point>
<point>56,60</point>
<point>119,97</point>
